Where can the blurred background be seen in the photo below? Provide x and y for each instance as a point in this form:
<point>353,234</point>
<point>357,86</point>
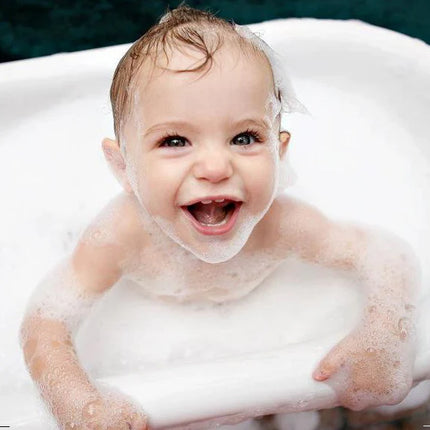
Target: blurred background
<point>33,28</point>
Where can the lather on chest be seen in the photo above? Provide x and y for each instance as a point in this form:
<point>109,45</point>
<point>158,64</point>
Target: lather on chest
<point>177,273</point>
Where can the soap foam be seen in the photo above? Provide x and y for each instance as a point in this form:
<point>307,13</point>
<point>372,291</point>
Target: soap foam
<point>60,296</point>
<point>380,352</point>
<point>379,376</point>
<point>103,409</point>
<point>289,100</point>
<point>213,249</point>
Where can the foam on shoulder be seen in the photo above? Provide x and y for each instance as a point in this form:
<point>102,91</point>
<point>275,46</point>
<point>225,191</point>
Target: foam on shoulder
<point>61,296</point>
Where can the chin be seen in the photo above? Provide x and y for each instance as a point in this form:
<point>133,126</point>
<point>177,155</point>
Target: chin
<point>213,249</point>
<point>218,253</point>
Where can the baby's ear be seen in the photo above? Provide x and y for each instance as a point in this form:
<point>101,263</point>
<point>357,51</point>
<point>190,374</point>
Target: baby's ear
<point>284,139</point>
<point>115,159</point>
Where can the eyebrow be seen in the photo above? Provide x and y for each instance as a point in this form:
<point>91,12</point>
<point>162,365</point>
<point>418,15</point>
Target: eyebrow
<point>167,124</point>
<point>260,122</point>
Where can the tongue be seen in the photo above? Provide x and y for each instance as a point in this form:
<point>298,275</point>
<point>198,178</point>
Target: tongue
<point>208,214</point>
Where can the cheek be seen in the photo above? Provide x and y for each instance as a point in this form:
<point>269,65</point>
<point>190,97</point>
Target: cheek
<point>262,178</point>
<point>158,183</point>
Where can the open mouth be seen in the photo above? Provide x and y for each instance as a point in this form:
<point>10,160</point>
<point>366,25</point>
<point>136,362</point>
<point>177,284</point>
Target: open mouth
<point>213,217</point>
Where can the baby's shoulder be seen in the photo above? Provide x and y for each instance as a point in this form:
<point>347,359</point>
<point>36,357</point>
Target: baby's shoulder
<point>284,211</point>
<point>293,209</point>
<point>294,223</point>
<point>110,240</point>
<point>118,224</point>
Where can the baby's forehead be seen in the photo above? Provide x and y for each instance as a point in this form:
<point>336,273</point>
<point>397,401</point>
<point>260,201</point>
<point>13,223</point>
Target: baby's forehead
<point>206,107</point>
<point>231,66</point>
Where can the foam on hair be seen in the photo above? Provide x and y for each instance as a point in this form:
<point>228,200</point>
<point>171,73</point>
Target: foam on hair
<point>284,102</point>
<point>287,101</point>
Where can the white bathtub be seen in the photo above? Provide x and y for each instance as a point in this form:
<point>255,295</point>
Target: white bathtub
<point>363,155</point>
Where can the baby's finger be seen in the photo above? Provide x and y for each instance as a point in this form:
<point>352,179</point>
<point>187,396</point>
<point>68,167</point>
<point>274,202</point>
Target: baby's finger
<point>328,366</point>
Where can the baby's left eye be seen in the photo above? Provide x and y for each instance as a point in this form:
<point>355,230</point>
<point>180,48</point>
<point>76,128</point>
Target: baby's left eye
<point>246,138</point>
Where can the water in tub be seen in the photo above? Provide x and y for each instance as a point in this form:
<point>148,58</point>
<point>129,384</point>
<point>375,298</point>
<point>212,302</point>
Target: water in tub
<point>356,159</point>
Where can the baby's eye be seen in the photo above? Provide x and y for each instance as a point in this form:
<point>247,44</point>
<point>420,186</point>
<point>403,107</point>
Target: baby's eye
<point>174,142</point>
<point>246,138</point>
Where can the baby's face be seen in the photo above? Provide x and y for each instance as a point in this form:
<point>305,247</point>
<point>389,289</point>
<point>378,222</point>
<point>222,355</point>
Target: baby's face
<point>203,150</point>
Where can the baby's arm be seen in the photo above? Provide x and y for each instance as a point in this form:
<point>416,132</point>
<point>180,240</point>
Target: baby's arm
<point>379,354</point>
<point>56,309</point>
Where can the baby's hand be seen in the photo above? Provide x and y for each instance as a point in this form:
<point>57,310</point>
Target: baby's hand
<point>108,412</point>
<point>367,375</point>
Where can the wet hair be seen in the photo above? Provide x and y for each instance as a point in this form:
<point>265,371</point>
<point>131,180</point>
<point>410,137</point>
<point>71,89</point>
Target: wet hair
<point>180,27</point>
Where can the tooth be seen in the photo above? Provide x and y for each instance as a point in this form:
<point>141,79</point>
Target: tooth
<point>224,221</point>
<point>220,200</point>
<point>206,202</point>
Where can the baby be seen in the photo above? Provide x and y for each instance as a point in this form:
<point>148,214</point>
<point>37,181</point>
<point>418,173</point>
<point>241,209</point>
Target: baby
<point>202,160</point>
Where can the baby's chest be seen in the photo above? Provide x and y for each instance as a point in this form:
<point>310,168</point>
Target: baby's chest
<point>179,277</point>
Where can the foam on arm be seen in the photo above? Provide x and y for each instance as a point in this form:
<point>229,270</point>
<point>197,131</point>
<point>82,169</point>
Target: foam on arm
<point>384,342</point>
<point>56,309</point>
<point>385,265</point>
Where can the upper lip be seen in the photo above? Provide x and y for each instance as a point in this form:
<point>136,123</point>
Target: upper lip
<point>213,198</point>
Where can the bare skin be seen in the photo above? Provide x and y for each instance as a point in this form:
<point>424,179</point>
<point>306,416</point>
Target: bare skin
<point>300,230</point>
<point>209,158</point>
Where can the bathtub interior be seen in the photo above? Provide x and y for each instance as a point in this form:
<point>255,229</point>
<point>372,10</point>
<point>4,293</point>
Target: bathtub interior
<point>362,155</point>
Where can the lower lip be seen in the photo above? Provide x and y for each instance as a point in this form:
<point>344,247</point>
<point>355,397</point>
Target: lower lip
<point>215,230</point>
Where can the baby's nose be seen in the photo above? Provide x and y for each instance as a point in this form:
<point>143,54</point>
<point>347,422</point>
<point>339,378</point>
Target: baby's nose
<point>213,165</point>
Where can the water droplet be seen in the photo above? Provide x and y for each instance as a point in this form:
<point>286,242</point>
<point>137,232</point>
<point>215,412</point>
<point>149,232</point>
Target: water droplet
<point>97,234</point>
<point>90,409</point>
<point>302,403</point>
<point>403,327</point>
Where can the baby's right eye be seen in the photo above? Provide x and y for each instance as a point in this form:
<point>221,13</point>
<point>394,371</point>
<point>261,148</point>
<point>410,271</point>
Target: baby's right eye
<point>173,142</point>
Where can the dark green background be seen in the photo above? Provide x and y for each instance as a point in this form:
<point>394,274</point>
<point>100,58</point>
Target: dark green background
<point>31,28</point>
